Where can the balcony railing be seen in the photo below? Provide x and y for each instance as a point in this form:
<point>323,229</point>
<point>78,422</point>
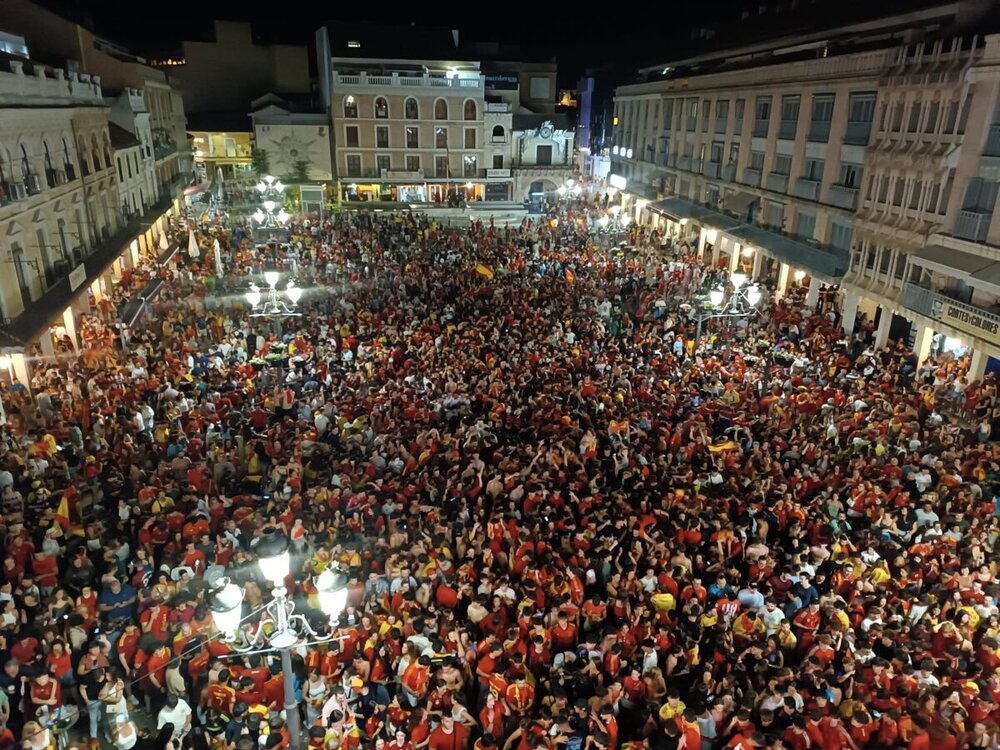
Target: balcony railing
<point>973,224</point>
<point>751,177</point>
<point>786,129</point>
<point>498,139</point>
<point>684,162</point>
<point>55,177</point>
<point>806,188</point>
<point>992,147</point>
<point>843,197</point>
<point>397,79</point>
<point>712,169</point>
<point>720,124</point>
<point>498,107</point>
<point>32,184</point>
<point>729,172</point>
<point>760,128</point>
<point>692,124</point>
<point>857,133</point>
<point>164,150</point>
<point>777,182</point>
<point>963,315</point>
<point>819,131</point>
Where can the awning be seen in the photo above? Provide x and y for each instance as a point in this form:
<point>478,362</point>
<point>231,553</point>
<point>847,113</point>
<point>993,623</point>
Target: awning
<point>739,203</point>
<point>681,208</point>
<point>827,264</point>
<point>987,279</point>
<point>951,262</point>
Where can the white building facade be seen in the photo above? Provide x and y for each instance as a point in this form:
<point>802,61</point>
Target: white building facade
<point>869,175</point>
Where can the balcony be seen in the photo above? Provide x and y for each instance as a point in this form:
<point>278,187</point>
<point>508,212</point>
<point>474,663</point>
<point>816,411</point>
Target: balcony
<point>720,124</point>
<point>819,131</point>
<point>751,177</point>
<point>163,150</point>
<point>712,169</point>
<point>55,177</point>
<point>495,139</point>
<point>786,129</point>
<point>992,147</point>
<point>729,172</point>
<point>843,196</point>
<point>70,171</point>
<point>411,81</point>
<point>12,190</point>
<point>973,224</point>
<point>857,133</point>
<point>32,184</point>
<point>961,315</point>
<point>777,182</point>
<point>806,188</point>
<point>684,162</point>
<point>760,128</point>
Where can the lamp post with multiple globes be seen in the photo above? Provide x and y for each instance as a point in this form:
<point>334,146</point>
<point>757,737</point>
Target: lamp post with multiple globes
<point>742,303</point>
<point>280,627</point>
<point>270,304</point>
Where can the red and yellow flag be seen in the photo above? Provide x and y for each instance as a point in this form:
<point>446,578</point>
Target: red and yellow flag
<point>485,271</point>
<point>570,276</point>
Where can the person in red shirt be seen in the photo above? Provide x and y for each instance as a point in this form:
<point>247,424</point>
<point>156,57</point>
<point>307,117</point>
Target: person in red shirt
<point>448,736</point>
<point>563,634</point>
<point>520,696</point>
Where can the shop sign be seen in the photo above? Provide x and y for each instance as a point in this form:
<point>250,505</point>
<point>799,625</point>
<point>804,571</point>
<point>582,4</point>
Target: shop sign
<point>504,81</point>
<point>399,175</point>
<point>980,325</point>
<point>77,276</point>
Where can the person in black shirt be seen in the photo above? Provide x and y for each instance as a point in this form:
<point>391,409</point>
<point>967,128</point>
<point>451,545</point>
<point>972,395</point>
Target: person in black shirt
<point>12,679</point>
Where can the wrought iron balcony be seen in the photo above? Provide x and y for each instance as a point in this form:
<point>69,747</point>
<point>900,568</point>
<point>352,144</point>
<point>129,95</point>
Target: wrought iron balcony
<point>973,224</point>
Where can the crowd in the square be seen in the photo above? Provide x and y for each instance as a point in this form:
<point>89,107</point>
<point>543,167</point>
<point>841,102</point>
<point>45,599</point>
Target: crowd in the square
<point>566,523</point>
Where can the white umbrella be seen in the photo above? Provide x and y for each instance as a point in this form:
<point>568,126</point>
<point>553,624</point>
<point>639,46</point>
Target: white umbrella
<point>193,250</point>
<point>218,258</point>
<point>164,245</point>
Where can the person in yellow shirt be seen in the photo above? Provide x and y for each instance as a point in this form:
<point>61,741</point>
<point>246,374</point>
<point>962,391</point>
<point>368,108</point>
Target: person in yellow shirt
<point>673,707</point>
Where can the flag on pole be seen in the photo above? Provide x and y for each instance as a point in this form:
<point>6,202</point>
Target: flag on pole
<point>164,245</point>
<point>485,271</point>
<point>218,258</point>
<point>193,250</point>
<point>570,276</point>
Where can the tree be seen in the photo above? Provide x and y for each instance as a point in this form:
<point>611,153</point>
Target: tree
<point>260,161</point>
<point>299,172</point>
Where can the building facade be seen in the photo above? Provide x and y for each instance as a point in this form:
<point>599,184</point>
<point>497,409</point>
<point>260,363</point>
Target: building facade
<point>859,167</point>
<point>542,154</point>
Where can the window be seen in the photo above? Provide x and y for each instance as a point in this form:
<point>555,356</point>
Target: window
<point>499,136</point>
<point>498,161</point>
<point>440,109</point>
<point>382,164</point>
<point>352,136</point>
<point>850,175</point>
<point>470,137</point>
<point>840,235</point>
<point>763,108</point>
<point>668,114</point>
<point>734,153</point>
<point>813,170</point>
<point>721,115</point>
<point>471,164</point>
<point>381,108</point>
<point>775,216</point>
<point>354,165</point>
<point>782,164</point>
<point>822,116</point>
<point>706,111</point>
<point>410,109</point>
<point>861,107</point>
<point>757,160</point>
<point>716,154</point>
<point>412,137</point>
<point>805,228</point>
<point>543,155</point>
<point>121,176</point>
<point>412,163</point>
<point>441,166</point>
<point>440,138</point>
<point>350,107</point>
<point>470,111</point>
<point>381,137</point>
<point>741,104</point>
<point>790,108</point>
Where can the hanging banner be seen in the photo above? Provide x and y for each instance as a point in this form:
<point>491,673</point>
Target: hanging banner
<point>193,250</point>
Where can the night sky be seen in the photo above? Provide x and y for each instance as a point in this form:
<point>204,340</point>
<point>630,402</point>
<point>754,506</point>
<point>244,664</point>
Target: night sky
<point>580,35</point>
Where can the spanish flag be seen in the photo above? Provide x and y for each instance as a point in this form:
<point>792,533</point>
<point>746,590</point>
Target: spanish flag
<point>485,271</point>
<point>728,445</point>
<point>570,276</point>
<point>67,510</point>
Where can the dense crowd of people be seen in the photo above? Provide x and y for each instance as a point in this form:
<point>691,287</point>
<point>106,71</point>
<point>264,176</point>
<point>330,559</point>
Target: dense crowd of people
<point>566,523</point>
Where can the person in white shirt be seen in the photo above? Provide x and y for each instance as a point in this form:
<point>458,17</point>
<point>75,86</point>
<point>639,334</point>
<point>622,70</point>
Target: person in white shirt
<point>176,712</point>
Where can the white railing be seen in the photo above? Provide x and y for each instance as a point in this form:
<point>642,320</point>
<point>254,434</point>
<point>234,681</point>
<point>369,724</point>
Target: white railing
<point>364,79</point>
